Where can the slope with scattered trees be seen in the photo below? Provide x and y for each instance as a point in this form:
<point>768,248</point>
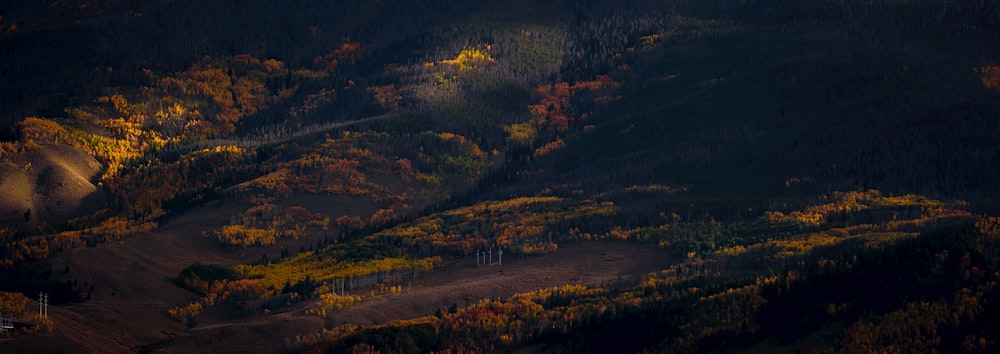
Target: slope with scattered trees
<point>827,158</point>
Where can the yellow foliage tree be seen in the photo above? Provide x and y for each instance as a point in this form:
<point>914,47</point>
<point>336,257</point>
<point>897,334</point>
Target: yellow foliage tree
<point>469,58</point>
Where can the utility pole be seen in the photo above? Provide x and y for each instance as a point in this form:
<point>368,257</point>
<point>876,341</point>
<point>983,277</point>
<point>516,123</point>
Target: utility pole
<point>43,304</point>
<point>499,256</point>
<point>491,254</point>
<point>6,323</point>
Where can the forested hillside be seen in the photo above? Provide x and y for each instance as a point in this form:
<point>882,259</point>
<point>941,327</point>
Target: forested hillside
<point>664,176</point>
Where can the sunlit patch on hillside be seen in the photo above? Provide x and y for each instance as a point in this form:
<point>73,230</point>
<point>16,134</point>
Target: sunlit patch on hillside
<point>470,58</point>
<point>521,225</point>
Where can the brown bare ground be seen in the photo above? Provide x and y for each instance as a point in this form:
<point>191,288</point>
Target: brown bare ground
<point>134,287</point>
<point>460,283</point>
<point>55,182</point>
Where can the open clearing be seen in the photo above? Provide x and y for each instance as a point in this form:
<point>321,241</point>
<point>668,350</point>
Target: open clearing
<point>133,287</point>
<point>459,282</point>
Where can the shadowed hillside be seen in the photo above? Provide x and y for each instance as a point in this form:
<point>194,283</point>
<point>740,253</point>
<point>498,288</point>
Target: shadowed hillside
<point>675,175</point>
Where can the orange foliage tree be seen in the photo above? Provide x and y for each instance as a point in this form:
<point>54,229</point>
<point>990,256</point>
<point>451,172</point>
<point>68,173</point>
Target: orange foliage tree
<point>990,76</point>
<point>348,52</point>
<point>555,109</point>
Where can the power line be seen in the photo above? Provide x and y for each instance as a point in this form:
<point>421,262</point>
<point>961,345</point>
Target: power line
<point>6,323</point>
<point>43,304</point>
<point>484,256</point>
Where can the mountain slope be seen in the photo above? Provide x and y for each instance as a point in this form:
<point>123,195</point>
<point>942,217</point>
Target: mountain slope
<point>307,163</point>
<point>52,183</point>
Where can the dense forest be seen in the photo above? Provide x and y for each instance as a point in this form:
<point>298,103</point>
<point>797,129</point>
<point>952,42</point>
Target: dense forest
<point>816,176</point>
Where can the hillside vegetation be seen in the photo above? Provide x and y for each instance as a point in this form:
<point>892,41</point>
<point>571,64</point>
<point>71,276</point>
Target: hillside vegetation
<point>833,160</point>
